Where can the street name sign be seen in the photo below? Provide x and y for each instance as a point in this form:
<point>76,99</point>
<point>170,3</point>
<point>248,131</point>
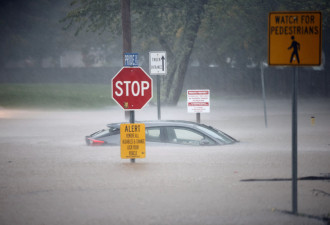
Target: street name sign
<point>132,140</point>
<point>198,101</point>
<point>294,38</point>
<point>131,59</point>
<point>131,88</point>
<point>157,63</point>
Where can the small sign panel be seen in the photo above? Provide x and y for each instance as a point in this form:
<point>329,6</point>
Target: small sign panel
<point>294,38</point>
<point>131,59</point>
<point>132,140</point>
<point>157,63</point>
<point>198,101</point>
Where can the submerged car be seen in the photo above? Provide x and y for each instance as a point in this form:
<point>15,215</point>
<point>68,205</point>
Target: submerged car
<point>168,132</point>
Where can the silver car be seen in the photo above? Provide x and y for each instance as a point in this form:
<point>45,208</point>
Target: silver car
<point>163,131</point>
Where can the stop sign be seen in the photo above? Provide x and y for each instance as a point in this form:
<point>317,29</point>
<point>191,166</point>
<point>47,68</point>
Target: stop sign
<point>131,88</point>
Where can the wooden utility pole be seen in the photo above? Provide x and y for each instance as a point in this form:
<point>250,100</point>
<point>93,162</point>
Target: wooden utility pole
<point>127,45</point>
<point>127,41</point>
<point>126,26</point>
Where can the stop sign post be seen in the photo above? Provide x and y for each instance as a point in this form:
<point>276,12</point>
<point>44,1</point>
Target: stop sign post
<point>131,88</point>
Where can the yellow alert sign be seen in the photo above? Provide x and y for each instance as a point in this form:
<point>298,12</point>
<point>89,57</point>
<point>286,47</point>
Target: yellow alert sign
<point>294,38</point>
<point>132,140</point>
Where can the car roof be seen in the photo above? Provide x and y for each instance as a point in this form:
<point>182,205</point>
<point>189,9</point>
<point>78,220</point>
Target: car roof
<point>154,123</point>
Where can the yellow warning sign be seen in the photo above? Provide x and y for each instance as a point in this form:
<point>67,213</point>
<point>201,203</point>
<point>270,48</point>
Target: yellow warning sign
<point>294,38</point>
<point>132,140</point>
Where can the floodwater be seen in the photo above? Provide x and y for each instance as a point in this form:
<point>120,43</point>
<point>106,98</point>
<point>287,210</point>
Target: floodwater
<point>49,176</point>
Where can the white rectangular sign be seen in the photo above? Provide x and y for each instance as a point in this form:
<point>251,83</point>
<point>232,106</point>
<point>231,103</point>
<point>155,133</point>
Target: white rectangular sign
<point>198,101</point>
<point>157,63</point>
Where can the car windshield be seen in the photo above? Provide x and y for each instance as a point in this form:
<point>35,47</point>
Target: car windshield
<point>106,132</point>
<point>100,133</point>
<point>217,134</point>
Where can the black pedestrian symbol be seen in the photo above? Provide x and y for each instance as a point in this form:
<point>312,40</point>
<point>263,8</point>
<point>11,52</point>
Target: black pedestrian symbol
<point>296,47</point>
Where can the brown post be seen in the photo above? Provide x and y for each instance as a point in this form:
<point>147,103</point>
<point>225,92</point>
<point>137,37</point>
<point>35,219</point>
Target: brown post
<point>126,26</point>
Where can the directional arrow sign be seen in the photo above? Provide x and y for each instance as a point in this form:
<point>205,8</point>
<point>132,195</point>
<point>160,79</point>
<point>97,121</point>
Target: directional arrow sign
<point>157,63</point>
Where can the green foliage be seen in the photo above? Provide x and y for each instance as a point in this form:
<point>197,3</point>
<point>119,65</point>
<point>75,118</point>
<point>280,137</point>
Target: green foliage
<point>64,96</point>
<point>95,16</point>
<point>214,29</point>
<point>28,28</point>
<point>229,28</point>
<point>235,29</point>
<point>238,29</point>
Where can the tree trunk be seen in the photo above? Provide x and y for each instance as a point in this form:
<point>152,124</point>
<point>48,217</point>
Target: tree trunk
<point>178,64</point>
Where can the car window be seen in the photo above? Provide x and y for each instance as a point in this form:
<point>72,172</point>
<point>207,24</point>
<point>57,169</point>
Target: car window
<point>101,133</point>
<point>106,132</point>
<point>153,134</point>
<point>114,130</point>
<point>222,137</point>
<point>182,135</point>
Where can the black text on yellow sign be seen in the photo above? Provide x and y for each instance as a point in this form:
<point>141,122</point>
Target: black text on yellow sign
<point>294,38</point>
<point>132,141</point>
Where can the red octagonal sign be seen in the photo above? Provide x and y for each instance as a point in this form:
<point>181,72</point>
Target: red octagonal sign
<point>131,88</point>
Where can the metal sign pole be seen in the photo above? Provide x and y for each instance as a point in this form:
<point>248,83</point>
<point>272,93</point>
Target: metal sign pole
<point>158,66</point>
<point>263,92</point>
<point>278,55</point>
<point>198,118</point>
<point>158,97</point>
<point>132,120</point>
<point>294,142</point>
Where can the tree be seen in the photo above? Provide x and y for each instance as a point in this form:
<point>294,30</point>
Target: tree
<point>177,25</point>
<point>174,24</point>
<point>29,29</point>
<point>237,29</point>
<point>207,30</point>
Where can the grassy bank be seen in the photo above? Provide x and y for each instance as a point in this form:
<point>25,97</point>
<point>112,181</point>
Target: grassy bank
<point>62,96</point>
